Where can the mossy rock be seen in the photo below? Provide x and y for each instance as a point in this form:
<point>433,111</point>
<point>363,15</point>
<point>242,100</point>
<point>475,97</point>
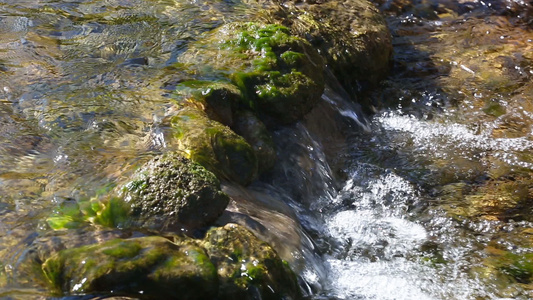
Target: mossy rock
<point>352,35</point>
<point>280,75</point>
<point>217,99</point>
<point>134,267</point>
<point>248,268</point>
<point>228,263</point>
<point>170,191</point>
<point>213,145</point>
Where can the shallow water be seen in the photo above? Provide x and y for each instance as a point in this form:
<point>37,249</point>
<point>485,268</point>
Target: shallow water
<point>386,205</point>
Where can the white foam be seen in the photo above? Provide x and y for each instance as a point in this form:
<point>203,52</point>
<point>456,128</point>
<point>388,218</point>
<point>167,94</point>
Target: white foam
<point>427,134</point>
<point>391,280</point>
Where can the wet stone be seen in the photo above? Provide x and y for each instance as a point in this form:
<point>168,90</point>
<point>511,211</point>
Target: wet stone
<point>248,268</point>
<point>171,191</point>
<point>279,75</point>
<point>138,266</point>
<point>213,145</point>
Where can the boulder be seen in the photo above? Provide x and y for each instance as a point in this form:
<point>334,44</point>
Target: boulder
<point>137,266</point>
<point>351,35</point>
<point>171,191</point>
<point>228,263</point>
<point>218,99</point>
<point>168,192</point>
<point>279,75</point>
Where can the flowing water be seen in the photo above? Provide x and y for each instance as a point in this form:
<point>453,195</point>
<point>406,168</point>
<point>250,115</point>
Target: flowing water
<point>417,200</point>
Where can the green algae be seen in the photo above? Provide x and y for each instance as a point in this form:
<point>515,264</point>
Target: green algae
<point>109,212</point>
<point>519,266</point>
<point>494,108</point>
<point>279,75</point>
<point>352,37</point>
<point>130,266</point>
<point>228,263</point>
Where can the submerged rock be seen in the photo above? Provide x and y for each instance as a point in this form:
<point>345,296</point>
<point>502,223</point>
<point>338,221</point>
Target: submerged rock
<point>219,100</point>
<point>279,75</point>
<point>138,266</point>
<point>510,267</point>
<point>213,145</point>
<point>228,263</point>
<point>501,199</point>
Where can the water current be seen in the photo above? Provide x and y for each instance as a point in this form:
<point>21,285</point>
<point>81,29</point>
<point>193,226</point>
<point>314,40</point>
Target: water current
<point>414,195</point>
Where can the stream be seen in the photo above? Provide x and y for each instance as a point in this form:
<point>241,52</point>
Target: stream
<point>414,192</point>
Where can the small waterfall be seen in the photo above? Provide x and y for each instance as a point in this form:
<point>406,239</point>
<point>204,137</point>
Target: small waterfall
<point>344,206</point>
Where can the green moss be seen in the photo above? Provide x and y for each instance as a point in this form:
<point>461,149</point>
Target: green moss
<point>258,37</point>
<point>201,258</point>
<point>279,75</point>
<point>519,266</point>
<point>171,191</point>
<point>255,272</point>
<point>136,185</point>
<point>292,58</point>
<point>122,249</point>
<point>494,108</point>
<point>247,266</point>
<point>128,266</point>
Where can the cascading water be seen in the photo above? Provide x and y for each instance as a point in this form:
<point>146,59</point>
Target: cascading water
<point>378,235</point>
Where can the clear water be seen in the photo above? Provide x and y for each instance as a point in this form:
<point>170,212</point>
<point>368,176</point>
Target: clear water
<point>363,208</point>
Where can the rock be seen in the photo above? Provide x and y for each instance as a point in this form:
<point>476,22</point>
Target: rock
<point>518,266</point>
<point>228,263</point>
<point>279,75</point>
<point>257,135</point>
<point>351,34</point>
<point>510,267</point>
<point>170,191</point>
<point>503,199</point>
<point>213,145</point>
<point>137,266</point>
<point>217,99</point>
<point>23,264</point>
<point>247,267</point>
